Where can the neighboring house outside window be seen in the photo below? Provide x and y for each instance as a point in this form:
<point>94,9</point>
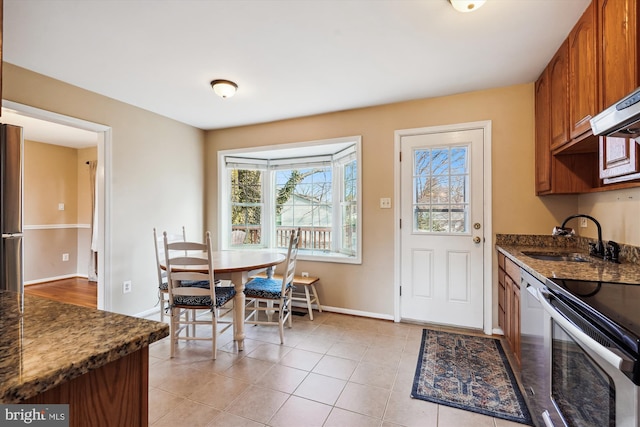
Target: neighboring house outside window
<point>267,192</point>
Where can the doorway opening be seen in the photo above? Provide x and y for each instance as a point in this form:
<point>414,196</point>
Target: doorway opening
<point>65,227</point>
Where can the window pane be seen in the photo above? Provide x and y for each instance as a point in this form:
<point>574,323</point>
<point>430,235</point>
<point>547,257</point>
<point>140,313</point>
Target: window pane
<point>349,238</point>
<point>422,218</point>
<point>303,199</point>
<point>440,161</point>
<point>349,228</point>
<point>246,205</point>
<point>422,162</point>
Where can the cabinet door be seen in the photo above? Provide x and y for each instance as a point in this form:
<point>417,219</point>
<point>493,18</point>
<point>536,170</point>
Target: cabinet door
<point>502,298</point>
<point>515,329</point>
<point>583,86</point>
<point>559,97</point>
<point>619,159</point>
<point>508,312</point>
<point>543,135</point>
<point>617,49</point>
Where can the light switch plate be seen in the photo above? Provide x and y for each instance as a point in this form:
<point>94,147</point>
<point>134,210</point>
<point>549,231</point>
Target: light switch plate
<point>60,206</point>
<point>385,203</point>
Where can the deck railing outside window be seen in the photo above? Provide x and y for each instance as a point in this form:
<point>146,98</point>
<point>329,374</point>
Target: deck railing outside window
<point>316,238</point>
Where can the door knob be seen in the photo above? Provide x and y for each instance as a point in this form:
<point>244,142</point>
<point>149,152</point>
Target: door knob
<point>477,239</point>
<point>476,226</point>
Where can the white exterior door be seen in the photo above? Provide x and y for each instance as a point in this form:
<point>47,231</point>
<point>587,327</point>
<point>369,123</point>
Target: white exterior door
<point>441,235</point>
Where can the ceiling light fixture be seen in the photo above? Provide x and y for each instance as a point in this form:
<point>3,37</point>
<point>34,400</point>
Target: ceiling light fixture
<point>466,5</point>
<point>224,88</point>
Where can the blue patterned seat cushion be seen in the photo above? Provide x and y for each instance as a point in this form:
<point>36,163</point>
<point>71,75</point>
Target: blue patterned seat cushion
<point>194,283</point>
<point>223,295</point>
<point>261,287</point>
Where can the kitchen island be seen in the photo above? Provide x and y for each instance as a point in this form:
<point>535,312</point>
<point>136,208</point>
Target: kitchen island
<point>93,360</point>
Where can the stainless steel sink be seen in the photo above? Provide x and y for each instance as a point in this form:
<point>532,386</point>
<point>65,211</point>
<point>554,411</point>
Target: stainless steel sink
<point>557,256</point>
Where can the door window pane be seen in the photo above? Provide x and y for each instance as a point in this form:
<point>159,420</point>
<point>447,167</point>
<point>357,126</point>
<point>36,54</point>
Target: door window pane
<point>441,190</point>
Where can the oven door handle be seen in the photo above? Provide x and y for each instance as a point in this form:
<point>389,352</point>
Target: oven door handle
<point>610,357</point>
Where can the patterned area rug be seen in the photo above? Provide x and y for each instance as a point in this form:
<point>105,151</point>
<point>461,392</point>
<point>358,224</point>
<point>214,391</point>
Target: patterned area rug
<point>470,373</point>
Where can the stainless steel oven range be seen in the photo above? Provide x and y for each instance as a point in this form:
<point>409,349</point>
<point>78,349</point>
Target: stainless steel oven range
<point>591,333</point>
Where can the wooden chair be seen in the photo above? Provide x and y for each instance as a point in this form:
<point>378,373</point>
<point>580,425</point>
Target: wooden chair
<point>272,295</point>
<point>163,287</point>
<point>187,270</point>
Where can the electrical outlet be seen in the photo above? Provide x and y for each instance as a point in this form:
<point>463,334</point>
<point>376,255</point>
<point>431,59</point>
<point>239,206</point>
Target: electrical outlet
<point>305,274</point>
<point>583,222</point>
<point>126,286</point>
<point>60,206</point>
<point>65,257</point>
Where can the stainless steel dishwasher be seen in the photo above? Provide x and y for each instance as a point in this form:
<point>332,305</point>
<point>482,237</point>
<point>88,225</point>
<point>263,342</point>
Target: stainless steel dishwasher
<point>536,350</point>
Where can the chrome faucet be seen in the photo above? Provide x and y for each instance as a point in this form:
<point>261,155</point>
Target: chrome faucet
<point>596,249</point>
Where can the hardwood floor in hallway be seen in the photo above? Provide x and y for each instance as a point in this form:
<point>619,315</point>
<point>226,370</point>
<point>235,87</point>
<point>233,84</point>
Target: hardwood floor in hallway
<point>77,290</point>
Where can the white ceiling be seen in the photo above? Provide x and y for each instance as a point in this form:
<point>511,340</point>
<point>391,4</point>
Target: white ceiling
<point>289,58</point>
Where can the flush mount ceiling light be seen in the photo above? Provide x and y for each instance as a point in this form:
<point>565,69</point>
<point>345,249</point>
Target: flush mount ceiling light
<point>224,88</point>
<point>466,5</point>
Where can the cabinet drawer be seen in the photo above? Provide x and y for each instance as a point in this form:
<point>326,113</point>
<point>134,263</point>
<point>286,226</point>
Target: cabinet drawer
<point>513,271</point>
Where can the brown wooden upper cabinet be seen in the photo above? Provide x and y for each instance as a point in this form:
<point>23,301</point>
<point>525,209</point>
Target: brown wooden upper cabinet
<point>559,97</point>
<point>543,134</point>
<point>618,51</point>
<point>583,73</point>
<point>596,66</point>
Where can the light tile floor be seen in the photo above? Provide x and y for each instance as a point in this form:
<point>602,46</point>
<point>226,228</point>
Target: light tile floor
<point>334,371</point>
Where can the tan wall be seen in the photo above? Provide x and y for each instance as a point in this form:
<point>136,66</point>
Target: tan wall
<point>50,178</point>
<point>516,209</point>
<point>155,177</point>
<point>618,212</point>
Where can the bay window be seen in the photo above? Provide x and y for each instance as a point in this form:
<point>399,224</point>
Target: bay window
<point>267,191</point>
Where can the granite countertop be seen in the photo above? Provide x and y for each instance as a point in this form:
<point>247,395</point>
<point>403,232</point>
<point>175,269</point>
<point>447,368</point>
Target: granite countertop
<point>512,246</point>
<point>52,343</point>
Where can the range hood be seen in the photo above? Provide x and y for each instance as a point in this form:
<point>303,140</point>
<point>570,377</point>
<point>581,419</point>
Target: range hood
<point>622,119</point>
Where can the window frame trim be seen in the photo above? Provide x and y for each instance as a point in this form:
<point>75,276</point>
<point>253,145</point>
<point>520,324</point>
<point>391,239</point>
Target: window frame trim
<point>224,208</point>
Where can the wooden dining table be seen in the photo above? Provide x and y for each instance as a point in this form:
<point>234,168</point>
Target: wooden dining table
<point>236,266</point>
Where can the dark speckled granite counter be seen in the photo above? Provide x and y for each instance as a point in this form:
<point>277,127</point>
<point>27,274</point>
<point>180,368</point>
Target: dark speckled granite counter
<point>512,246</point>
<point>52,343</point>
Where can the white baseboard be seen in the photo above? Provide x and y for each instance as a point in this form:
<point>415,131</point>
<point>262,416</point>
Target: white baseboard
<point>497,331</point>
<point>148,313</point>
<point>340,310</point>
<point>356,312</point>
<point>53,279</point>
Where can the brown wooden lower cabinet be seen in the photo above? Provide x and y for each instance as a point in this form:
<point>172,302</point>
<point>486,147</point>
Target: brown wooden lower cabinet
<point>114,395</point>
<point>509,302</point>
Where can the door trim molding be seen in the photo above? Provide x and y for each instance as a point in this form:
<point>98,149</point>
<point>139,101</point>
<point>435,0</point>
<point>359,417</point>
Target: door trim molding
<point>103,177</point>
<point>485,125</point>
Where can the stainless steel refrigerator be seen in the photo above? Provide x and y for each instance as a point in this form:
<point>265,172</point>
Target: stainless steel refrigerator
<point>11,179</point>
